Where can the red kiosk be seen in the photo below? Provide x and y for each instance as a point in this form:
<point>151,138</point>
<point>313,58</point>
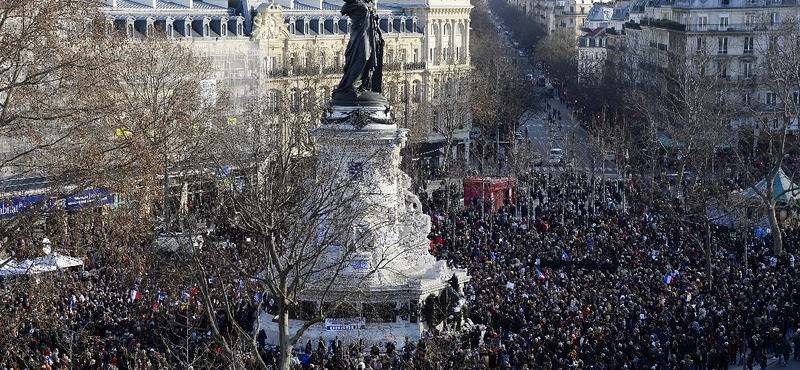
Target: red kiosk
<point>493,190</point>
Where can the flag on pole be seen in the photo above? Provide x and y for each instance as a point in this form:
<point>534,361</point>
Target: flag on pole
<point>564,255</point>
<point>668,279</point>
<point>135,294</point>
<point>540,274</point>
<point>186,295</point>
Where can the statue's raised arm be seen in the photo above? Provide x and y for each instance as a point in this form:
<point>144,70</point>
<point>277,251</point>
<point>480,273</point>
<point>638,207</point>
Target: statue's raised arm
<point>364,53</point>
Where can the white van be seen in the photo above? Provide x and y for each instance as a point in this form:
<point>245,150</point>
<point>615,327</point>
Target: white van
<point>556,156</point>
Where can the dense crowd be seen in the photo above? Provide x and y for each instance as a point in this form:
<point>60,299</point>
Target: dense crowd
<point>589,275</point>
<point>584,283</point>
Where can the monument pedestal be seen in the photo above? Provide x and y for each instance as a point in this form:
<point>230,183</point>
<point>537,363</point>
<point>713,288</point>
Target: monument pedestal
<point>393,268</point>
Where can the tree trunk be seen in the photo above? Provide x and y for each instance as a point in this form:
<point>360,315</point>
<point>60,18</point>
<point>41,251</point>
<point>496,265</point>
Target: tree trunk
<point>709,256</point>
<point>286,347</point>
<point>777,238</point>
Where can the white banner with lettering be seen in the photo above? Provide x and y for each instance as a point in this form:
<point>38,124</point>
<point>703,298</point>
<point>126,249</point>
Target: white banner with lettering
<point>345,324</point>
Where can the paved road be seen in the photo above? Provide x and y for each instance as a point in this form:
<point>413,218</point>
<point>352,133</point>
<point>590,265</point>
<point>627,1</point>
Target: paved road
<point>580,149</point>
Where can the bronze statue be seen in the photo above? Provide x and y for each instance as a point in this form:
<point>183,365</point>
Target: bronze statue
<point>363,68</point>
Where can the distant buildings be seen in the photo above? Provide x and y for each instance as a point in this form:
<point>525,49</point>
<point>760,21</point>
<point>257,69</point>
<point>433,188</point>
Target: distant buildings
<point>649,33</point>
<point>270,49</point>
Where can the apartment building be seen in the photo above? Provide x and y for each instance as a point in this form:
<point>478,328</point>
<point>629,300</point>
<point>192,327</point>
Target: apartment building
<point>263,48</point>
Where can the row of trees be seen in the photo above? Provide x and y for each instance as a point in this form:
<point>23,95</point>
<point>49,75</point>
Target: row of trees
<point>680,111</point>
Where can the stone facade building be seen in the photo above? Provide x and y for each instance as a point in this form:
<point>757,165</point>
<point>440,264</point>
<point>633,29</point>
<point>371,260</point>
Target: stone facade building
<point>272,49</point>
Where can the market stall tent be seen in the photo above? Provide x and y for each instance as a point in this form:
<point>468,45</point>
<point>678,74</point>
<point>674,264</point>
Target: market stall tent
<point>786,192</point>
<point>491,191</point>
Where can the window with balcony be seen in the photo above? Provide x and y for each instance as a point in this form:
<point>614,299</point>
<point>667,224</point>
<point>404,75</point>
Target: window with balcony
<point>771,99</point>
<point>748,45</point>
<point>722,45</point>
<point>702,22</point>
<point>750,20</point>
<point>723,22</point>
<point>775,20</point>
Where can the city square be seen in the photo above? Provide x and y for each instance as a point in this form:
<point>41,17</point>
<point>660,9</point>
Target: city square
<point>355,184</point>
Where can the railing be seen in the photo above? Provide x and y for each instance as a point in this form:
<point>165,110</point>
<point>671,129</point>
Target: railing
<point>392,66</point>
<point>415,66</point>
<point>329,70</point>
<point>670,25</point>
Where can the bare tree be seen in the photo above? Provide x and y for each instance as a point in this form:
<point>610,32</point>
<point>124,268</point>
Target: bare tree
<point>84,112</point>
<point>776,114</point>
<point>310,227</point>
<point>497,98</point>
<point>690,114</point>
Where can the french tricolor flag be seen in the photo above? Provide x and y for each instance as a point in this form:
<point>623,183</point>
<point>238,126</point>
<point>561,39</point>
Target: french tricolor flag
<point>135,294</point>
<point>668,279</point>
<point>540,274</point>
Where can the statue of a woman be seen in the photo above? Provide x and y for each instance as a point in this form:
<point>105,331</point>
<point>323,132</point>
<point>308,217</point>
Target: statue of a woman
<point>364,53</point>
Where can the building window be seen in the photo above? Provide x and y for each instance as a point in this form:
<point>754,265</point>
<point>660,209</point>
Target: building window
<point>415,91</point>
<point>129,30</point>
<point>775,20</point>
<point>796,98</point>
<point>771,99</point>
<point>723,45</point>
<point>747,70</point>
<point>702,22</point>
<point>239,29</point>
<point>746,98</point>
<point>723,22</point>
<point>722,70</point>
<point>701,44</point>
<point>750,20</point>
<point>748,45</point>
<point>416,56</point>
<point>206,30</point>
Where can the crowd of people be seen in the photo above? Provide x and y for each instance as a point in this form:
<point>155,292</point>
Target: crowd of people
<point>586,275</point>
<point>585,283</point>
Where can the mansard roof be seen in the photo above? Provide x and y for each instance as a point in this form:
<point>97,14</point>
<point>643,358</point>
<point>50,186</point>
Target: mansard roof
<point>638,5</point>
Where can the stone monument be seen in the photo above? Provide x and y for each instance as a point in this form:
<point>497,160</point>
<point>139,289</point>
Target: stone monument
<point>359,139</point>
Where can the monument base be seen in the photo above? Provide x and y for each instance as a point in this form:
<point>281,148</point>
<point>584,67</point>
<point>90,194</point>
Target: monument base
<point>394,272</point>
